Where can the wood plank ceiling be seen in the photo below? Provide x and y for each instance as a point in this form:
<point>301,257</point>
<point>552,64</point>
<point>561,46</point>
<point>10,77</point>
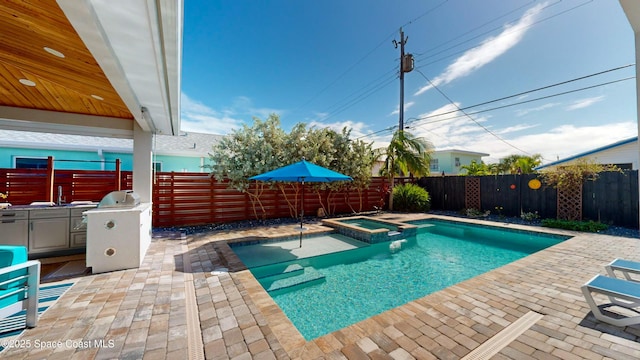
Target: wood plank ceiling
<point>73,83</point>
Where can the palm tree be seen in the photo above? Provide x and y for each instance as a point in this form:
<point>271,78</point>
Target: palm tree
<point>406,155</point>
<point>475,168</point>
<point>514,164</point>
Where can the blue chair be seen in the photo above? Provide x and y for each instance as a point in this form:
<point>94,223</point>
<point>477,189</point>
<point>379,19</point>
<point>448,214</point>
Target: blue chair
<point>620,292</point>
<point>19,283</point>
<point>626,267</point>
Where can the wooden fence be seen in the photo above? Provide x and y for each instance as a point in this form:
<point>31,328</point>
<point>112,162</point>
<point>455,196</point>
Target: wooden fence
<point>611,199</point>
<point>197,198</point>
<point>181,199</point>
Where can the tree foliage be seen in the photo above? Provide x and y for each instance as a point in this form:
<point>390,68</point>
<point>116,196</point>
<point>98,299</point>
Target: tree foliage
<point>406,154</point>
<point>476,169</point>
<point>264,146</point>
<point>574,175</point>
<point>519,164</point>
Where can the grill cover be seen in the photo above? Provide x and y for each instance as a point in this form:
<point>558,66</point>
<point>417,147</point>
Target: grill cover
<point>121,198</point>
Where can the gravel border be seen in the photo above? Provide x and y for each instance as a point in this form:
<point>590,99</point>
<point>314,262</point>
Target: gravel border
<point>247,224</point>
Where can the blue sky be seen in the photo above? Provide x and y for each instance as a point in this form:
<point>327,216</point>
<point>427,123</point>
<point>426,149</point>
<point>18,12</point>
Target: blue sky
<point>332,63</point>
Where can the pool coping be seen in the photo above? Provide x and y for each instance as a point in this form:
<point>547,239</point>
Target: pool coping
<point>292,340</point>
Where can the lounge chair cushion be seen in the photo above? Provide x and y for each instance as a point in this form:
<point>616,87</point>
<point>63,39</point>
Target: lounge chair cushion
<point>12,255</point>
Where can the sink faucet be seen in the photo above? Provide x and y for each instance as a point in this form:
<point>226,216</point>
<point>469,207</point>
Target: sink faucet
<point>59,195</point>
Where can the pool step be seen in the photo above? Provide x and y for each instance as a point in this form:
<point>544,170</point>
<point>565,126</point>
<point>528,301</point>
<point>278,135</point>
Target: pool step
<point>308,277</point>
<point>275,274</point>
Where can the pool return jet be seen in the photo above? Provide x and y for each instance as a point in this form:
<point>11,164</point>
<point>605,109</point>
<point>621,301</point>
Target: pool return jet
<point>301,172</point>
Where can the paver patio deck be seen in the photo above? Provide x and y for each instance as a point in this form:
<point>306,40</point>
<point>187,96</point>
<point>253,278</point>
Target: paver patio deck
<point>143,313</point>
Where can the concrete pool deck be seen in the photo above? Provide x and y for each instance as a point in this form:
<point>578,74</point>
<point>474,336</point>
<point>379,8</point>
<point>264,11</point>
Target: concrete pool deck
<point>151,312</point>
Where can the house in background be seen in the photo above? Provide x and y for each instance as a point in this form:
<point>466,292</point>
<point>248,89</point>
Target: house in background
<point>623,154</point>
<point>450,161</point>
<point>187,152</point>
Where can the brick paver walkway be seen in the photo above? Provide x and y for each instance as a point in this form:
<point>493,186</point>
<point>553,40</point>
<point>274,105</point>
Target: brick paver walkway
<point>142,313</point>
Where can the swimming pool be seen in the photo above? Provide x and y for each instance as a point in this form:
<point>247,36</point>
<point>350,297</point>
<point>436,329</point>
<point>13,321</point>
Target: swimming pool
<point>325,293</point>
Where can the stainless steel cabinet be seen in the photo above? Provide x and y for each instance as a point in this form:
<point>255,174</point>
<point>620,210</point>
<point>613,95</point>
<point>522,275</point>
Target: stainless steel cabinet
<point>48,230</point>
<point>14,227</point>
<point>44,230</point>
<point>77,229</point>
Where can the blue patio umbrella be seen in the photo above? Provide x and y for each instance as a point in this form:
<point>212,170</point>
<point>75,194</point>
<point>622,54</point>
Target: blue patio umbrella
<point>301,172</point>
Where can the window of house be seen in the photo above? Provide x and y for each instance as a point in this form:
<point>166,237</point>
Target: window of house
<point>157,166</point>
<point>433,166</point>
<point>457,162</point>
<point>31,163</point>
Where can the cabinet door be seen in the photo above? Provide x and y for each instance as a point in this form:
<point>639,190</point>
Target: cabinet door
<point>14,232</point>
<point>77,239</point>
<point>48,235</point>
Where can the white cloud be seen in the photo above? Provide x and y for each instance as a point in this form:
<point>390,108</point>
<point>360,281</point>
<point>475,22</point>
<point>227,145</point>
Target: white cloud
<point>487,51</point>
<point>447,129</point>
<point>357,128</point>
<point>515,128</point>
<point>559,142</point>
<point>583,103</point>
<point>198,117</point>
<point>523,112</point>
<point>406,106</point>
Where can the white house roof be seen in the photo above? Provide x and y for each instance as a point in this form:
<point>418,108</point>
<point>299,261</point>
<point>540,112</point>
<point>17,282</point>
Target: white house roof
<point>186,144</point>
<point>457,151</point>
<point>590,152</point>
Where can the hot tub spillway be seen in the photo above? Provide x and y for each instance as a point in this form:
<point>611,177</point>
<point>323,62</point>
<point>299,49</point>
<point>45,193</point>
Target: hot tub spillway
<point>294,275</point>
<point>372,230</point>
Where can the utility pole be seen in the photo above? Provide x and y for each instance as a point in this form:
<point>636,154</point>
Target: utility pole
<point>406,65</point>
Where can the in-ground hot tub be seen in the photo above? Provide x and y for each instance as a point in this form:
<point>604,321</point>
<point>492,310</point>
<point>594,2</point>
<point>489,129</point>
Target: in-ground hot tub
<point>371,230</point>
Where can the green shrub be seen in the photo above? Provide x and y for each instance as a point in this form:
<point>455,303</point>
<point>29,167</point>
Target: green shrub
<point>588,226</point>
<point>475,213</point>
<point>529,216</point>
<point>411,198</point>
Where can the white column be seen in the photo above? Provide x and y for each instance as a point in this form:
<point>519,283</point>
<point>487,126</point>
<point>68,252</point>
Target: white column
<point>637,38</point>
<point>142,163</point>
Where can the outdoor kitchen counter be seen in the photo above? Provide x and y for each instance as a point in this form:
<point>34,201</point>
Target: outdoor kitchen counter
<point>44,230</point>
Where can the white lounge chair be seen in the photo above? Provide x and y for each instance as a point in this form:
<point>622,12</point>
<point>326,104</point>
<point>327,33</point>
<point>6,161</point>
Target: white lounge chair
<point>621,292</point>
<point>626,267</point>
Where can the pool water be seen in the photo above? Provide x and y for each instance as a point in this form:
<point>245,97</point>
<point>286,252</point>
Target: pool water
<point>336,290</point>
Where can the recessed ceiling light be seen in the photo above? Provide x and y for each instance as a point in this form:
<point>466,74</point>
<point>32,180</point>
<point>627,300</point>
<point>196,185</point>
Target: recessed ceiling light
<point>97,97</point>
<point>54,52</point>
<point>27,82</point>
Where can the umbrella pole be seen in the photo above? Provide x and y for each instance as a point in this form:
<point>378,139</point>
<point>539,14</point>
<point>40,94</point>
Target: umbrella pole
<point>301,212</point>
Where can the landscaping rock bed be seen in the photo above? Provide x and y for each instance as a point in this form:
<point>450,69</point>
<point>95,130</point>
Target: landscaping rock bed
<point>247,224</point>
<point>611,230</point>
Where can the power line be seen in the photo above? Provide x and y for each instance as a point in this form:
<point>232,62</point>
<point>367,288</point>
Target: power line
<point>473,47</point>
<point>340,107</point>
<point>361,97</point>
<point>521,102</point>
<point>370,87</point>
<point>474,29</point>
<point>367,55</point>
<point>412,121</point>
<point>470,118</point>
<point>534,90</point>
